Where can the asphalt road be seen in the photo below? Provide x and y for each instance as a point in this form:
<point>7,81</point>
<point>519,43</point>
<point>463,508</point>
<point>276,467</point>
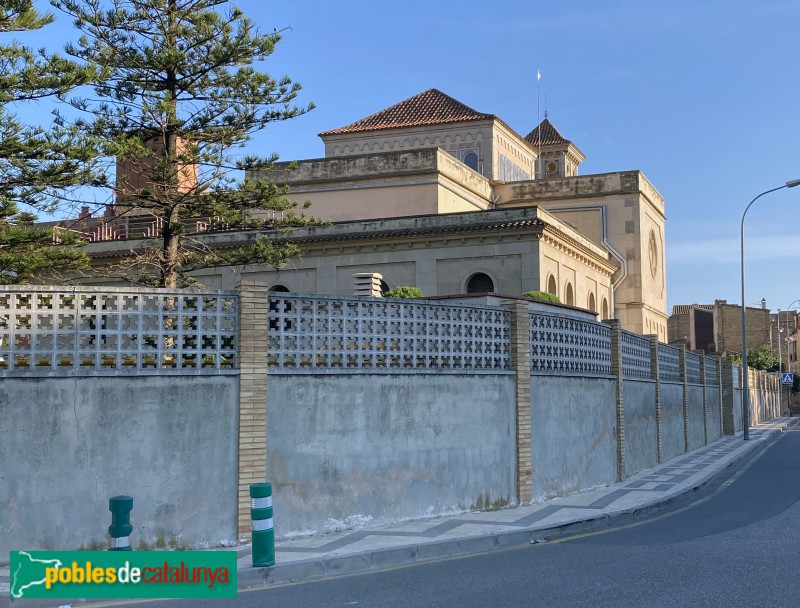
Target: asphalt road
<point>737,544</point>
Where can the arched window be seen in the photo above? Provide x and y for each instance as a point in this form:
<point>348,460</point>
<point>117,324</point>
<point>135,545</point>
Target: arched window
<point>604,309</point>
<point>570,296</point>
<point>480,283</point>
<point>275,304</point>
<point>591,303</point>
<point>471,160</point>
<point>551,285</point>
<point>384,287</point>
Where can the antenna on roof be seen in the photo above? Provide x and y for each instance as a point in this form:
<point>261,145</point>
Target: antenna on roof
<point>539,127</point>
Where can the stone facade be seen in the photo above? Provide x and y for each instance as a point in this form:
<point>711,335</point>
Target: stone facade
<point>517,249</point>
<point>394,169</point>
<point>603,248</point>
<point>623,213</point>
<point>489,139</point>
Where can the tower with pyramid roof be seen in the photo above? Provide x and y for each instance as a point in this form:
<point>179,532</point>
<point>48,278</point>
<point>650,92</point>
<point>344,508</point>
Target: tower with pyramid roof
<point>557,156</point>
<point>432,119</point>
<point>430,155</point>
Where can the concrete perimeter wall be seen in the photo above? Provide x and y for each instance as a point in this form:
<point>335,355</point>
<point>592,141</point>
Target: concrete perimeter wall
<point>713,413</point>
<point>347,449</point>
<point>673,442</point>
<point>641,431</point>
<point>573,434</point>
<point>697,419</point>
<point>737,410</point>
<point>356,409</point>
<point>168,441</point>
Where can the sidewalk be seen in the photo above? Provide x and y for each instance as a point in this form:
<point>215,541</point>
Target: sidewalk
<point>373,548</point>
<point>377,547</point>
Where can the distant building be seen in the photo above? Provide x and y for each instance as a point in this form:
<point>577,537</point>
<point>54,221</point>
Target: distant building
<point>384,166</point>
<point>717,327</point>
<point>784,330</point>
<point>433,194</point>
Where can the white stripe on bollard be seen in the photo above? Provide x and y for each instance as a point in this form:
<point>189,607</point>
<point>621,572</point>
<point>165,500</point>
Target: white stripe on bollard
<point>125,541</point>
<point>262,503</point>
<point>262,524</point>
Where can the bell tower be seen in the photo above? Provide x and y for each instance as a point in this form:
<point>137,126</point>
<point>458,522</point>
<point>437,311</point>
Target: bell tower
<point>558,157</point>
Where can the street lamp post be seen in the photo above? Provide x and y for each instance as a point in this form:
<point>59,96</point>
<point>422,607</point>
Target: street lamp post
<point>780,361</point>
<point>745,380</point>
<point>788,366</point>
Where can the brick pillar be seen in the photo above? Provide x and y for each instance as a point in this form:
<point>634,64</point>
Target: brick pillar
<point>521,364</point>
<point>682,356</point>
<point>705,397</point>
<point>253,326</point>
<point>656,375</point>
<point>726,387</point>
<point>616,370</point>
<point>719,387</point>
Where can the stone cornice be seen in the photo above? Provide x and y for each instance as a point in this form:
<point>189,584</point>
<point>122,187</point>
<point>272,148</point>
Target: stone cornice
<point>581,186</point>
<point>509,221</point>
<point>563,243</point>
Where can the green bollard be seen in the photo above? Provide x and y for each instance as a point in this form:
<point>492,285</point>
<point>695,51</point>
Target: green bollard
<point>263,532</point>
<point>120,528</point>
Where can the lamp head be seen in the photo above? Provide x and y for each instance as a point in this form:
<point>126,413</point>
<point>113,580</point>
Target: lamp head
<point>792,183</point>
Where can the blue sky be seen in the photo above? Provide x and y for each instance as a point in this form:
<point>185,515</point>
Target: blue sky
<point>702,96</point>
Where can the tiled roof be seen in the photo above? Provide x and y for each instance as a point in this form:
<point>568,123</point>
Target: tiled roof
<point>683,309</point>
<point>550,135</point>
<point>533,223</point>
<point>431,107</point>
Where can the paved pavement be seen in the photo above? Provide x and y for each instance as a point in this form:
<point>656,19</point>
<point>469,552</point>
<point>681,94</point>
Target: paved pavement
<point>378,547</point>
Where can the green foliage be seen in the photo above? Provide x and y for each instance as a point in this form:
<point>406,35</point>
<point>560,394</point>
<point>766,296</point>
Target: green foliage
<point>37,166</point>
<point>541,295</point>
<point>760,358</point>
<point>178,99</point>
<point>27,252</point>
<point>404,291</point>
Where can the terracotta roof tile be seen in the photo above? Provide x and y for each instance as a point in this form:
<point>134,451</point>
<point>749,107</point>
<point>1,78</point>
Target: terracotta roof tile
<point>431,107</point>
<point>683,309</point>
<point>550,135</point>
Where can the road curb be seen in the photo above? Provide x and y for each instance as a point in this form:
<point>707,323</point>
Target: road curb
<point>380,559</point>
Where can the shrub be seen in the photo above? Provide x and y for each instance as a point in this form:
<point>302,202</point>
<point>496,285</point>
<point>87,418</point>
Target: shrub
<point>404,292</point>
<point>541,295</point>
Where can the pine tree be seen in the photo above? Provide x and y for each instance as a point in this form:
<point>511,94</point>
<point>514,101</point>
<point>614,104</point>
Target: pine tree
<point>179,99</point>
<point>36,165</point>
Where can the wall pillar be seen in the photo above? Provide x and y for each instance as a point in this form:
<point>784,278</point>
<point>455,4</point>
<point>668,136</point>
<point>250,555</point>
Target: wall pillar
<point>705,397</point>
<point>721,392</point>
<point>616,370</point>
<point>684,380</point>
<point>656,375</point>
<point>726,385</point>
<point>253,326</point>
<point>521,364</point>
